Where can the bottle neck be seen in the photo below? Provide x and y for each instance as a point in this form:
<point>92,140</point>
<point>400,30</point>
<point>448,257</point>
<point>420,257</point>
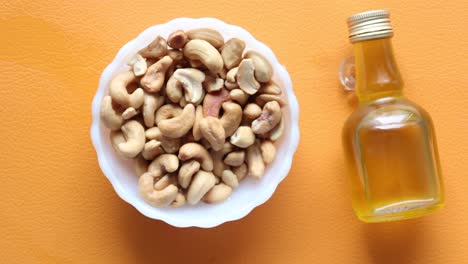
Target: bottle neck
<point>377,74</point>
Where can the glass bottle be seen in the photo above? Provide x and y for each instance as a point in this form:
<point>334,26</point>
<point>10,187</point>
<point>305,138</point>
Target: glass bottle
<point>389,141</point>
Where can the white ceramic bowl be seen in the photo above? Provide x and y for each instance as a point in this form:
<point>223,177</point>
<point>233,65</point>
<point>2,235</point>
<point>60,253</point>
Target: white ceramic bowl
<point>250,193</point>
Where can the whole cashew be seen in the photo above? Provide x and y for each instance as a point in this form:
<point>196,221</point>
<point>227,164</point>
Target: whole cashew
<point>170,145</point>
<point>163,164</point>
<point>239,96</point>
<point>262,99</point>
<point>150,105</point>
<point>178,126</point>
<point>116,137</point>
<point>156,198</point>
<point>129,113</point>
<point>153,80</point>
<point>191,80</point>
<point>167,111</point>
<point>268,151</point>
<point>118,91</point>
<point>156,49</point>
<point>197,152</point>
<point>217,194</point>
<point>243,137</point>
<point>230,179</point>
<point>211,36</point>
<point>186,171</point>
<point>263,68</point>
<point>212,84</point>
<point>179,201</point>
<point>270,117</point>
<point>177,39</point>
<point>240,171</point>
<point>203,51</point>
<point>110,118</point>
<point>235,158</point>
<point>196,125</point>
<point>202,182</point>
<point>232,52</point>
<point>138,64</point>
<point>152,149</point>
<point>134,134</point>
<point>174,89</point>
<point>255,161</point>
<point>231,118</point>
<point>213,102</point>
<point>212,130</point>
<point>245,77</point>
<point>270,88</point>
<point>141,166</point>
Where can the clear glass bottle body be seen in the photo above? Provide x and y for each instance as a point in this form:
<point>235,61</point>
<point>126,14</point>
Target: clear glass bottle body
<point>389,142</point>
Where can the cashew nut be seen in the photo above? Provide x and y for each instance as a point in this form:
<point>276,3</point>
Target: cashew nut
<point>231,75</point>
<point>230,179</point>
<point>231,118</point>
<point>232,52</point>
<point>156,198</point>
<point>270,88</point>
<point>213,102</point>
<point>196,125</point>
<point>268,151</point>
<point>240,171</point>
<point>178,126</point>
<point>263,68</point>
<point>212,130</point>
<point>155,75</point>
<point>165,181</point>
<point>152,149</point>
<point>270,117</point>
<point>276,132</point>
<point>243,137</point>
<point>191,80</point>
<point>235,158</point>
<point>170,145</point>
<point>262,99</point>
<point>156,49</point>
<point>177,39</point>
<point>174,89</point>
<point>211,36</point>
<point>202,182</point>
<point>110,118</point>
<point>203,51</point>
<point>176,56</point>
<point>138,64</point>
<point>197,152</point>
<point>212,84</point>
<point>230,85</point>
<point>141,166</point>
<point>217,194</point>
<point>134,134</point>
<point>186,171</point>
<point>166,112</point>
<point>163,164</point>
<point>239,96</point>
<point>251,112</point>
<point>245,77</point>
<point>255,161</point>
<point>129,113</point>
<point>118,91</point>
<point>116,137</point>
<point>150,105</point>
<point>179,201</point>
<point>218,164</point>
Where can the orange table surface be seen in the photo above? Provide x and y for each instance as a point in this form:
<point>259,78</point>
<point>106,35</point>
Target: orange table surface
<point>56,206</point>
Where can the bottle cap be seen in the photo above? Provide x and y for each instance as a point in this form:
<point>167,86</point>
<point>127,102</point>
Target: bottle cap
<point>368,25</point>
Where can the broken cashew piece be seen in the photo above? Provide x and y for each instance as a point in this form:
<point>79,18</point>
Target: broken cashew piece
<point>243,137</point>
<point>255,161</point>
<point>212,84</point>
<point>203,51</point>
<point>230,179</point>
<point>270,88</point>
<point>174,89</point>
<point>270,117</point>
<point>170,145</point>
<point>186,171</point>
<point>211,36</point>
<point>239,96</point>
<point>235,158</point>
<point>245,77</point>
<point>263,68</point>
<point>150,105</point>
<point>177,39</point>
<point>231,75</point>
<point>232,52</point>
<point>155,75</point>
<point>252,111</point>
<point>134,134</point>
<point>240,171</point>
<point>116,137</point>
<point>218,163</point>
<point>197,152</point>
<point>202,182</point>
<point>262,99</point>
<point>138,64</point>
<point>156,49</point>
<point>178,126</point>
<point>268,151</point>
<point>217,194</point>
<point>152,149</point>
<point>110,118</point>
<point>231,118</point>
<point>196,125</point>
<point>118,91</point>
<point>156,198</point>
<point>276,132</point>
<point>212,130</point>
<point>163,164</point>
<point>129,113</point>
<point>191,80</point>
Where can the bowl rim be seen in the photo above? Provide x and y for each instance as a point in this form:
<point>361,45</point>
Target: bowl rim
<point>269,189</point>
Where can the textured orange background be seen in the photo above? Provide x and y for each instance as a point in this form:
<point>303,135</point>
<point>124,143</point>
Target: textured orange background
<point>56,206</point>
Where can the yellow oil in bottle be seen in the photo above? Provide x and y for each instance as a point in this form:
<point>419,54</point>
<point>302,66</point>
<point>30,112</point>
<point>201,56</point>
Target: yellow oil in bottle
<point>389,143</point>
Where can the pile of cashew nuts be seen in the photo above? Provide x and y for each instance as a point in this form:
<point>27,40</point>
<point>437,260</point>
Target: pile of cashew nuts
<point>197,115</point>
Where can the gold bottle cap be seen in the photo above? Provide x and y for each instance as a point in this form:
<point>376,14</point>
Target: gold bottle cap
<point>368,25</point>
